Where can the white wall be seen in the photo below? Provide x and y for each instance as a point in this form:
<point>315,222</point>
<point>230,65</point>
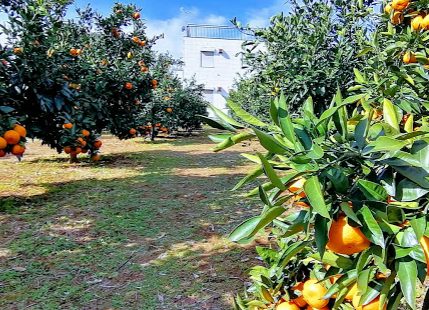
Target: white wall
<point>221,77</point>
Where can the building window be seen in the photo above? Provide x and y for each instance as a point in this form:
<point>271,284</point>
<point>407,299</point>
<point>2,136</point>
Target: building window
<point>207,59</point>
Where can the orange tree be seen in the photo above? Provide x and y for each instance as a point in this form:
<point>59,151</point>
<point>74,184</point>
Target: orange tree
<point>346,198</point>
<point>175,104</point>
<point>67,80</point>
<point>308,52</point>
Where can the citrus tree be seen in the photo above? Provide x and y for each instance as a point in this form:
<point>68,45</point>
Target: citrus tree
<point>308,52</point>
<point>346,197</point>
<point>175,104</point>
<point>67,80</point>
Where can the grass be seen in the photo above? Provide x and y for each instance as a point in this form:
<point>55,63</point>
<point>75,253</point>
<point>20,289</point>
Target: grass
<point>143,229</point>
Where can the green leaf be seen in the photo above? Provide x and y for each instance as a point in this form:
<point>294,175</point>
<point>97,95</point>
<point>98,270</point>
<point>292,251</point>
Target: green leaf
<point>387,144</point>
<point>419,226</point>
<point>269,143</point>
<point>415,174</point>
<point>249,178</point>
<point>224,117</point>
<point>339,180</point>
<point>271,174</point>
<point>267,218</point>
<point>321,233</point>
<point>407,274</point>
<point>349,212</point>
<point>372,191</point>
<point>244,230</point>
<point>285,121</point>
<point>390,114</point>
<point>233,140</point>
<point>334,260</point>
<point>312,189</point>
<point>371,228</point>
<point>291,251</point>
<point>218,124</point>
<point>219,138</point>
<point>409,191</point>
<point>245,116</point>
<point>359,77</point>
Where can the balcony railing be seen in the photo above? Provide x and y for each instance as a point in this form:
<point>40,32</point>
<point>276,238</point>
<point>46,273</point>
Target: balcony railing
<point>216,32</point>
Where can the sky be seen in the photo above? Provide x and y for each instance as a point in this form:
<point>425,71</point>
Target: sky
<point>169,17</point>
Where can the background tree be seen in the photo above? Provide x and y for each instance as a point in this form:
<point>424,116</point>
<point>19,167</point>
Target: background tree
<point>308,52</point>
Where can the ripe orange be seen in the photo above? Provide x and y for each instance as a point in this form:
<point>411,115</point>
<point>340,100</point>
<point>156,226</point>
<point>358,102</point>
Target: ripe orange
<point>141,63</point>
<point>144,69</point>
<point>300,204</point>
<point>85,133</point>
<point>136,15</point>
<point>409,57</point>
<point>3,143</point>
<point>78,150</point>
<point>311,308</point>
<point>287,306</point>
<point>416,23</point>
<point>313,293</point>
<point>136,40</point>
<point>17,50</point>
<point>116,32</point>
<point>169,110</point>
<point>400,5</point>
<point>142,43</point>
<point>300,302</point>
<point>425,23</point>
<point>98,144</point>
<point>373,305</point>
<point>95,157</point>
<point>12,137</point>
<point>18,150</point>
<point>2,153</point>
<point>128,85</point>
<point>20,129</point>
<point>397,18</point>
<point>352,292</point>
<point>298,287</point>
<point>67,149</point>
<point>298,186</point>
<point>75,52</point>
<point>424,242</point>
<point>154,83</point>
<point>132,131</point>
<point>68,126</point>
<point>388,8</point>
<point>346,239</point>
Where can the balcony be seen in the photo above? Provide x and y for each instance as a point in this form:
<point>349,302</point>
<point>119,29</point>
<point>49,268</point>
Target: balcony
<point>216,32</point>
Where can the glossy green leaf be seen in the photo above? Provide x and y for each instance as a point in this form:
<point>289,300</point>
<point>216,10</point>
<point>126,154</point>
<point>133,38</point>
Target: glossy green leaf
<point>407,274</point>
<point>244,115</point>
<point>372,191</point>
<point>390,114</point>
<point>312,189</point>
<point>269,143</point>
<point>371,228</point>
<point>270,173</point>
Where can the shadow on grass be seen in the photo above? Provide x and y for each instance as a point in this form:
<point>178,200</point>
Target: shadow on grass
<point>150,241</point>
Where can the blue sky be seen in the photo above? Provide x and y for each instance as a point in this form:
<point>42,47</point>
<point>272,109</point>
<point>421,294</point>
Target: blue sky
<point>162,10</point>
<point>168,17</point>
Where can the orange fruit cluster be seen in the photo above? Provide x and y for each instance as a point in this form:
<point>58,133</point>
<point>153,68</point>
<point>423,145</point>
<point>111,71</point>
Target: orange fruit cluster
<point>83,144</point>
<point>13,141</point>
<point>311,294</point>
<point>419,21</point>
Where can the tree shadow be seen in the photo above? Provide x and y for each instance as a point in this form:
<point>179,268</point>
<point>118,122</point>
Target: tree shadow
<point>151,241</point>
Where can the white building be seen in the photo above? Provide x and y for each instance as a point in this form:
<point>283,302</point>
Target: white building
<point>211,55</point>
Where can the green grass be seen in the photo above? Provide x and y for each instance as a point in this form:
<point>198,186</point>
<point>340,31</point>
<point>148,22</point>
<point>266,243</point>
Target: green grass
<point>143,229</point>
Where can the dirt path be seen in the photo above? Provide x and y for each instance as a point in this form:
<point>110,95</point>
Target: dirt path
<point>143,229</point>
